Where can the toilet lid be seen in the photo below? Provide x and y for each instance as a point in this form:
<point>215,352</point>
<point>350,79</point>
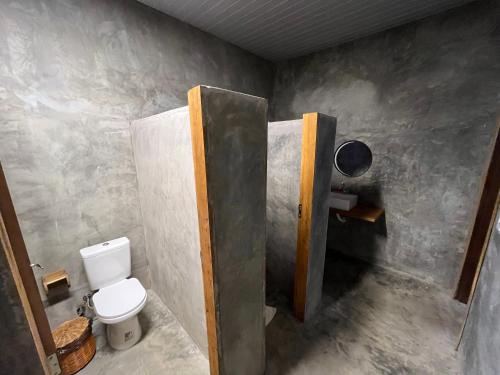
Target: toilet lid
<point>119,299</point>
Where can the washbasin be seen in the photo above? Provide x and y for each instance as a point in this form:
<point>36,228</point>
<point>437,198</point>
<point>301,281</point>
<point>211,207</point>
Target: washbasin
<point>343,201</point>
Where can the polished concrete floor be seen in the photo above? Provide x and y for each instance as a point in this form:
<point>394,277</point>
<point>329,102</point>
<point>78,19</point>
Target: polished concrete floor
<point>165,348</point>
<point>371,322</point>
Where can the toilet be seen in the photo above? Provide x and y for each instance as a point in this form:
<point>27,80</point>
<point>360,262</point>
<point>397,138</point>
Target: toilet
<point>119,298</point>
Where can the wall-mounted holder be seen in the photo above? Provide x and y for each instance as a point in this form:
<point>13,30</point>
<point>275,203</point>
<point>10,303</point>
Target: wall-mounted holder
<point>56,286</point>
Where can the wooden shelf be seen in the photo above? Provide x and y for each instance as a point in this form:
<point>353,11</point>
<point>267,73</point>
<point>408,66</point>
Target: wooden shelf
<point>361,212</point>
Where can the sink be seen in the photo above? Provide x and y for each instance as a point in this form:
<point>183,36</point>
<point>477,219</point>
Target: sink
<point>343,201</point>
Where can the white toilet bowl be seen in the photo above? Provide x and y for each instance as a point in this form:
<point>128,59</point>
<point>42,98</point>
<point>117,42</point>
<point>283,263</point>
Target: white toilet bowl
<point>117,306</point>
<point>118,299</point>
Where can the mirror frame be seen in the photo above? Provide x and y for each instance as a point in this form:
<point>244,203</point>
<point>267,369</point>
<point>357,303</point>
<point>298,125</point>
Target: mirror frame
<point>343,144</point>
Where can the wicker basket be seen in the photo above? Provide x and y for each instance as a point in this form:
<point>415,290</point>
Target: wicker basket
<point>75,345</point>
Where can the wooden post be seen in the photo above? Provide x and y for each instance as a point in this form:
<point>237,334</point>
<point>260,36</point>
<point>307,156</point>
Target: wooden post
<point>197,138</point>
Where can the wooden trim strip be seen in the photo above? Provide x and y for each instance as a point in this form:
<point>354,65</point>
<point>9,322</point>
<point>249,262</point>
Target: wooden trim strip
<point>478,273</point>
<point>19,264</point>
<point>308,155</point>
<point>200,174</point>
<point>481,228</point>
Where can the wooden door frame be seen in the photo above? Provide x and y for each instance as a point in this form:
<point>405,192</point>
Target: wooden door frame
<point>308,155</point>
<point>481,227</point>
<point>309,150</point>
<point>19,264</point>
<point>198,144</point>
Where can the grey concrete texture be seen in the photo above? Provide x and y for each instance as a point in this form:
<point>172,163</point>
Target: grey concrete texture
<point>73,74</point>
<point>480,343</point>
<point>371,321</point>
<point>424,97</point>
<point>165,347</point>
<point>165,173</point>
<point>235,140</point>
<point>283,193</point>
<point>19,355</point>
<point>323,160</point>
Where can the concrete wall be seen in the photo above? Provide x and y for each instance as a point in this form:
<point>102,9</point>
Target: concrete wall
<point>72,75</point>
<point>481,340</point>
<point>235,144</point>
<point>283,189</point>
<point>230,148</point>
<point>284,160</point>
<point>165,172</point>
<point>424,98</point>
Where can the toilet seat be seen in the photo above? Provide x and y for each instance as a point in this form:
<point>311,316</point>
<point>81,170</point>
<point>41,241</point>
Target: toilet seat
<point>120,301</point>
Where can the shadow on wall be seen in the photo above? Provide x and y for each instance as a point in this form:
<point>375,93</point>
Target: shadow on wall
<point>342,236</point>
<point>288,341</point>
<point>355,239</point>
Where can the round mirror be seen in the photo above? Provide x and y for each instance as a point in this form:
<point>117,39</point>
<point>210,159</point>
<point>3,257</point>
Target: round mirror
<point>353,158</point>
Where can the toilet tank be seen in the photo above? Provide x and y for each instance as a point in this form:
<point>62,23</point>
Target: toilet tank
<point>107,263</point>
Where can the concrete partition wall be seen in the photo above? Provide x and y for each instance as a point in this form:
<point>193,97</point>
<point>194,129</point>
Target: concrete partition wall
<point>229,133</point>
<point>202,187</point>
<point>283,190</point>
<point>300,161</point>
<point>318,142</point>
<point>165,172</point>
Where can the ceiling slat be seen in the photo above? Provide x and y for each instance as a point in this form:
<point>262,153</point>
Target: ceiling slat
<point>282,29</point>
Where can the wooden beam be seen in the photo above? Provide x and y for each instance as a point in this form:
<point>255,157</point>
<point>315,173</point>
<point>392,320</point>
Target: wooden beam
<point>308,156</point>
<point>482,226</point>
<point>198,142</point>
<point>17,256</point>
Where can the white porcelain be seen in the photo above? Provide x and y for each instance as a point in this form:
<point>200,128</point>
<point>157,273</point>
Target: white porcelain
<point>343,201</point>
<point>125,334</point>
<point>107,263</point>
<point>118,302</point>
<point>118,299</point>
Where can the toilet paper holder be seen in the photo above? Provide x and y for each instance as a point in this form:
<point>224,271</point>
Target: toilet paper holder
<point>55,280</point>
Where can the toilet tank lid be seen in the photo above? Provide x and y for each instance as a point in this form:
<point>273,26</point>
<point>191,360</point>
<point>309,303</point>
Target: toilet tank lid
<point>98,249</point>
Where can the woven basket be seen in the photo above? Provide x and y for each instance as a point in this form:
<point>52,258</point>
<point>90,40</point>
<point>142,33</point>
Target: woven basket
<point>75,345</point>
